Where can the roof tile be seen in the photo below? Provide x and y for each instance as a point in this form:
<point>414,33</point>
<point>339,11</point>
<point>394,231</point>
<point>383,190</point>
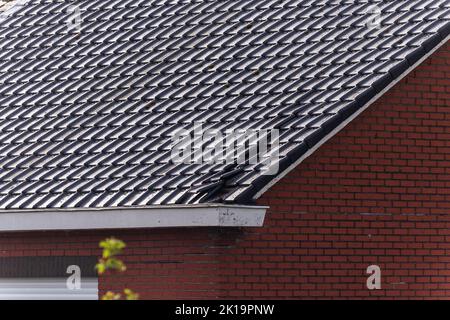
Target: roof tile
<point>86,115</point>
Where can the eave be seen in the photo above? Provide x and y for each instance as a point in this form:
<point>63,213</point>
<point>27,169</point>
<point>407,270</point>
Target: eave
<point>203,215</point>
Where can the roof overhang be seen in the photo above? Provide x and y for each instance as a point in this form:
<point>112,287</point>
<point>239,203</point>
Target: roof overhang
<point>201,215</point>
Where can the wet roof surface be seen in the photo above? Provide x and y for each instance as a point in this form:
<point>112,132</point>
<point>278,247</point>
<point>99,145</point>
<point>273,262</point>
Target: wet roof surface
<point>87,113</point>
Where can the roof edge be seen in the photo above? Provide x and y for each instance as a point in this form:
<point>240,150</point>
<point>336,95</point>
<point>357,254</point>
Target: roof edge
<point>303,151</point>
<point>208,215</point>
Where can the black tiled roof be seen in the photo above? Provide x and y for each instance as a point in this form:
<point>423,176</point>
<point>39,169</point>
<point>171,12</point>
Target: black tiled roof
<point>86,116</point>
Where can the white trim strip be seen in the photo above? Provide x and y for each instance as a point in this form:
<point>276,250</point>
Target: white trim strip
<point>47,289</point>
<point>210,215</point>
<point>347,121</point>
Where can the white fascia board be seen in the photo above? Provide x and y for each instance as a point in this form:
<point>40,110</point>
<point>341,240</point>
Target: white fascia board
<point>208,215</point>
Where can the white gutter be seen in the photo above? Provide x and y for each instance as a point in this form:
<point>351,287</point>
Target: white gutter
<point>205,215</point>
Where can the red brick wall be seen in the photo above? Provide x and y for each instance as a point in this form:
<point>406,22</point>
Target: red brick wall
<point>377,193</point>
<point>162,263</point>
